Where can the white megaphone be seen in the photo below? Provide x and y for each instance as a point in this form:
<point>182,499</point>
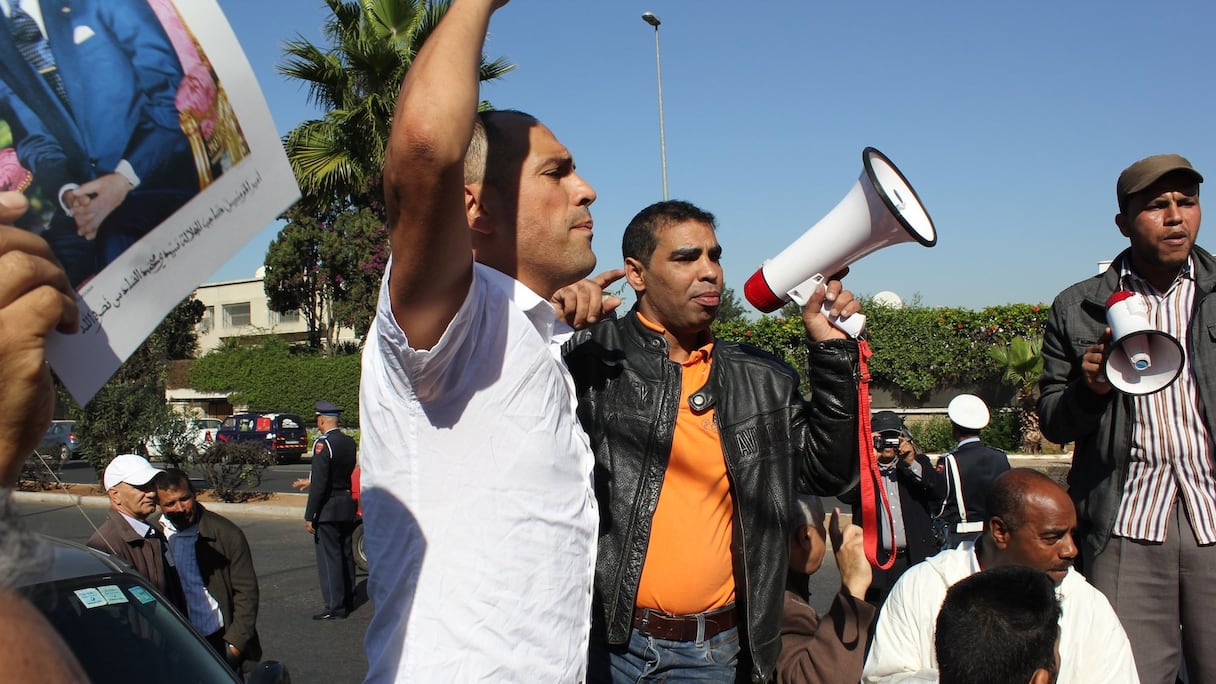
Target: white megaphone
<point>1142,359</point>
<point>881,209</point>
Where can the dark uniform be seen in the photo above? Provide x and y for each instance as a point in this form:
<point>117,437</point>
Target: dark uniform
<point>978,465</point>
<point>332,511</point>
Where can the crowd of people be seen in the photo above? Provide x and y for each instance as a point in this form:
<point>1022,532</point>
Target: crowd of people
<point>640,477</point>
<point>556,491</point>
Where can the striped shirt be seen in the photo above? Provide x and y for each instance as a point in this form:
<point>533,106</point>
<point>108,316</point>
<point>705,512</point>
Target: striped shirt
<point>1171,446</point>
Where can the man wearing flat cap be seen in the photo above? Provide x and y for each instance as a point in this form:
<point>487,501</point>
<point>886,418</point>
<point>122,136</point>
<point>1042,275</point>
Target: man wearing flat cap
<point>330,513</point>
<point>1144,465</point>
<point>130,483</point>
<point>967,470</point>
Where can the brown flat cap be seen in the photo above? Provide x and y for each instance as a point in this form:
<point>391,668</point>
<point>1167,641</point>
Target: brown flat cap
<point>1145,172</point>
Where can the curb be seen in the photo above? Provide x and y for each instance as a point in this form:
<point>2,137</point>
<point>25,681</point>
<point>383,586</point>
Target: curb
<point>226,509</point>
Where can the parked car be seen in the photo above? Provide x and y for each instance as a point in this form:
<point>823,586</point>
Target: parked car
<point>200,436</point>
<point>282,434</point>
<point>120,627</point>
<point>60,444</point>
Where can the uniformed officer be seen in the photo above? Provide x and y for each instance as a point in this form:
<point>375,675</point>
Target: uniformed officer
<point>969,470</point>
<point>330,513</point>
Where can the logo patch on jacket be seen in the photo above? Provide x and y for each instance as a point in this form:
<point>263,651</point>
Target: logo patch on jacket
<point>747,441</point>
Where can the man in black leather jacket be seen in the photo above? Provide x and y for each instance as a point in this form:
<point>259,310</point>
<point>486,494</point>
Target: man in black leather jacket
<point>699,445</point>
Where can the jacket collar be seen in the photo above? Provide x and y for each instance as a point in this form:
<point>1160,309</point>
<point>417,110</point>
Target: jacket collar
<point>1107,283</point>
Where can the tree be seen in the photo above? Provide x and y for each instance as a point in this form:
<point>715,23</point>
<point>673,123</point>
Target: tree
<point>339,158</point>
<point>292,281</point>
<point>1022,365</point>
<point>730,309</point>
<point>328,270</point>
<point>131,406</point>
<point>354,254</point>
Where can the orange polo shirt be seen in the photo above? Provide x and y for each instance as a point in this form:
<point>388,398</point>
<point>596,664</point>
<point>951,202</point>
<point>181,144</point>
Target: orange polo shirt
<point>688,565</point>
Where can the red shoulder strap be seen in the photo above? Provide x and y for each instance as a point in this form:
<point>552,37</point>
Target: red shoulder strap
<point>872,491</point>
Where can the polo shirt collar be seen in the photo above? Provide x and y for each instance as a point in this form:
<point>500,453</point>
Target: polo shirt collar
<point>699,355</point>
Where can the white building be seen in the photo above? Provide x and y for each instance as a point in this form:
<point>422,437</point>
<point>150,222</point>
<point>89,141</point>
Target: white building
<point>232,309</point>
<point>238,308</point>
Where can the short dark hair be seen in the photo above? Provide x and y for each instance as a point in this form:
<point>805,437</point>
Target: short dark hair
<point>997,627</point>
<point>492,150</point>
<point>1006,497</point>
<point>642,234</point>
<point>964,431</point>
<point>174,478</point>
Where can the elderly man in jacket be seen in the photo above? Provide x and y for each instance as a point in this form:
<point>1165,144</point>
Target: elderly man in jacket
<point>216,570</point>
<point>699,444</point>
<point>127,533</point>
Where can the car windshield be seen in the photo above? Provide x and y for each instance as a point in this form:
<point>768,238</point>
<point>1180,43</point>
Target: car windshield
<point>121,632</point>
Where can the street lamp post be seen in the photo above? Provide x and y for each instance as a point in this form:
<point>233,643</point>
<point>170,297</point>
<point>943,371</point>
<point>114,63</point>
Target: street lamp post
<point>651,19</point>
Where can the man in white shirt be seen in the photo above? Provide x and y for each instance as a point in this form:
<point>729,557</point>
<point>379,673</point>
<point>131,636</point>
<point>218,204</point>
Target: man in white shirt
<point>1031,522</point>
<point>479,515</point>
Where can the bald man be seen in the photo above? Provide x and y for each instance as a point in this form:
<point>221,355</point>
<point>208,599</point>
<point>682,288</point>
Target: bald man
<point>1031,522</point>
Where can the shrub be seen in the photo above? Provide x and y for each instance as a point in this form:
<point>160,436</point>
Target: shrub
<point>276,376</point>
<point>931,434</point>
<point>232,469</point>
<point>1004,432</point>
<point>934,436</point>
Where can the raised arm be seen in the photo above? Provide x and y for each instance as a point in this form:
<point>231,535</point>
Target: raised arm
<point>424,174</point>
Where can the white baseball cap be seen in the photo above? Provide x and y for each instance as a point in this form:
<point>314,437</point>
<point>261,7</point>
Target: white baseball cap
<point>968,411</point>
<point>130,468</point>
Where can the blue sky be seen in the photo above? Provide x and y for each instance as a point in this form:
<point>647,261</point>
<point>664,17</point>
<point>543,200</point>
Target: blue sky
<point>1011,120</point>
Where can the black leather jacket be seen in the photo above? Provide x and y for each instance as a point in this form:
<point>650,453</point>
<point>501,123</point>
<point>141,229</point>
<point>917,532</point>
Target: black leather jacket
<point>628,391</point>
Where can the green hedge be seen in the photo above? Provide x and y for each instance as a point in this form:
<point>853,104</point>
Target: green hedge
<point>916,348</point>
<point>276,376</point>
<point>932,434</point>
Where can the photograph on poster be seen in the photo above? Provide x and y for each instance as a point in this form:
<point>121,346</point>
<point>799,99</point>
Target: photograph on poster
<point>138,133</point>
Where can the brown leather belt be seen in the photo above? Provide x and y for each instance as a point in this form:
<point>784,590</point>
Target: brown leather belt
<point>662,625</point>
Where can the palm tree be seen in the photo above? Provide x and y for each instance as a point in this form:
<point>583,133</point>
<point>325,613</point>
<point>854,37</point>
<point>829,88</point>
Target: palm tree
<point>1022,363</point>
<point>340,157</point>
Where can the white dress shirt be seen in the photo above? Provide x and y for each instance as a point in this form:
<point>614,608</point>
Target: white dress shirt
<point>478,507</point>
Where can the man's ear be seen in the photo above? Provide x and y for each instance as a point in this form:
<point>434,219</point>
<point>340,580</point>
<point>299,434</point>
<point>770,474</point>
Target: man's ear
<point>805,537</point>
<point>635,274</point>
<point>474,209</point>
<point>1041,676</point>
<point>1000,531</point>
<point>1121,221</point>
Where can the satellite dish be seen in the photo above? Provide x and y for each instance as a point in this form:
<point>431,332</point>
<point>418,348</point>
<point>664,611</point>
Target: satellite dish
<point>888,299</point>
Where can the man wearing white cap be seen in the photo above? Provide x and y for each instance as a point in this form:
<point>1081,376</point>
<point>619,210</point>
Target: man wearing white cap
<point>969,469</point>
<point>128,480</point>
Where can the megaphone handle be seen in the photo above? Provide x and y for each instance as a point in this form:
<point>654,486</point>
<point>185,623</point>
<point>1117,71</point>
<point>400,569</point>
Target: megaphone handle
<point>852,326</point>
<point>801,294</point>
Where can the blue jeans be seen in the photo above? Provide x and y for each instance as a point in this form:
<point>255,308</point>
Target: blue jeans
<point>648,659</point>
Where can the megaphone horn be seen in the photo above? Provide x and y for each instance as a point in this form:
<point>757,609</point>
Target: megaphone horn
<point>1142,359</point>
<point>881,209</point>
